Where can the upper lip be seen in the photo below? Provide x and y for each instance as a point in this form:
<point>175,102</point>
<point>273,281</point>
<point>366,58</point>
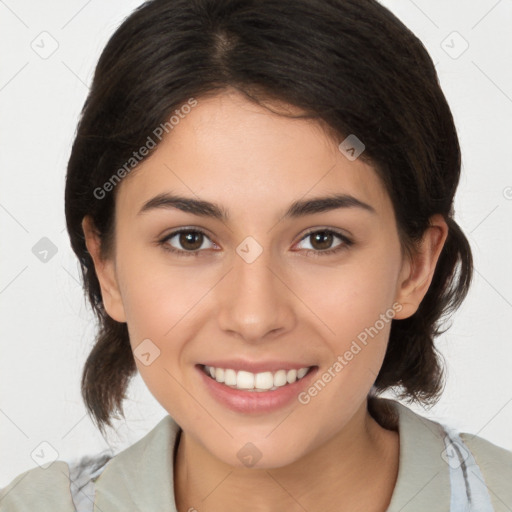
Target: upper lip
<point>255,366</point>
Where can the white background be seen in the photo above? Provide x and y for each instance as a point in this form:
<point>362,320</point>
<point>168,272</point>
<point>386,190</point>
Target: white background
<point>47,328</point>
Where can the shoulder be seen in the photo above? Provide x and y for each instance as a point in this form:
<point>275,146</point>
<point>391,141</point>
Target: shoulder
<point>59,487</point>
<point>487,453</point>
<point>495,464</point>
<point>492,467</point>
<point>47,489</point>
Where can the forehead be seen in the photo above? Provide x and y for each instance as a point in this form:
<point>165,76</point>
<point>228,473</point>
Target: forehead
<point>233,152</point>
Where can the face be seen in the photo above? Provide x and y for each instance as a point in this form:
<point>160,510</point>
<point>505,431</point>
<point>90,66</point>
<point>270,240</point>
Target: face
<point>260,289</point>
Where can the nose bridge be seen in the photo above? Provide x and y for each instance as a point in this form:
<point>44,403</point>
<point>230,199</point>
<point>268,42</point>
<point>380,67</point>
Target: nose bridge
<point>254,300</point>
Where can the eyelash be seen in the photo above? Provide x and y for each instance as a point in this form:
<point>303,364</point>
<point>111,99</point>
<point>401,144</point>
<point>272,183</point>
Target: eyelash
<point>347,243</point>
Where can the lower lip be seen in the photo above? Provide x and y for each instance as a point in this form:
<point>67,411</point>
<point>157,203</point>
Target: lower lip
<point>256,401</point>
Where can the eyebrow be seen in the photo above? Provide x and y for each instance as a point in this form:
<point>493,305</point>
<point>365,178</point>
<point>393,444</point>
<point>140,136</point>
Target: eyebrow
<point>297,209</point>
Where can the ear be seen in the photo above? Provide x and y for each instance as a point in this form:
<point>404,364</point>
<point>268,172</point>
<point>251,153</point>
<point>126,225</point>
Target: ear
<point>105,271</point>
<point>417,273</point>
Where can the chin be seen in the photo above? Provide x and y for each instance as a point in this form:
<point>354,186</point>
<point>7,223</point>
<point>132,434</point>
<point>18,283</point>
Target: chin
<point>265,454</point>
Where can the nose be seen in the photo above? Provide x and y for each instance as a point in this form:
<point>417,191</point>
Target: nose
<point>254,299</point>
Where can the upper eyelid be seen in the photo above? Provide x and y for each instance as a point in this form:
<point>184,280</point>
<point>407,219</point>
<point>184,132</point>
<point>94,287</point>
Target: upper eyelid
<point>331,230</point>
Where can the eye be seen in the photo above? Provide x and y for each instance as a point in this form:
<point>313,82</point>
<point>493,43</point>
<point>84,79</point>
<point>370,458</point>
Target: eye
<point>322,242</point>
<point>191,241</point>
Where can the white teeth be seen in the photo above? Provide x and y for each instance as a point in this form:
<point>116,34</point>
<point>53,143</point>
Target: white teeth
<point>302,372</point>
<point>291,376</point>
<point>262,381</point>
<point>280,378</point>
<point>230,377</point>
<point>245,380</point>
<point>219,374</point>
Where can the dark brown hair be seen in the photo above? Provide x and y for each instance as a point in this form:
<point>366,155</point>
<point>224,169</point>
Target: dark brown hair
<point>351,65</point>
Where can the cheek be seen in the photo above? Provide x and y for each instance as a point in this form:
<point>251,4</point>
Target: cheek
<point>351,296</point>
<point>354,303</point>
<point>162,304</point>
<point>156,296</point>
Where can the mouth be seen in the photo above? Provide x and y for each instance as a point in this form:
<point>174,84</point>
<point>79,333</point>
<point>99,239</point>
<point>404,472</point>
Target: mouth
<point>255,382</point>
<point>255,393</point>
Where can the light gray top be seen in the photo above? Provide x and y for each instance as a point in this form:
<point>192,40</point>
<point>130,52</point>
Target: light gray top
<point>439,469</point>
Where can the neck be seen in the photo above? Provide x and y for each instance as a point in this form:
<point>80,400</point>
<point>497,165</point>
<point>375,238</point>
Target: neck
<point>355,470</point>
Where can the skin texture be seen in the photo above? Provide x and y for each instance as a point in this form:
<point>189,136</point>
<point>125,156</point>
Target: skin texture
<point>288,304</point>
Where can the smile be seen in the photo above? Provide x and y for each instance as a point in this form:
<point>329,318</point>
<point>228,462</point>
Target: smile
<point>258,382</point>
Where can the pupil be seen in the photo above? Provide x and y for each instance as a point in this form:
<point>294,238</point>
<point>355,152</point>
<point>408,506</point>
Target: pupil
<point>187,240</point>
<point>327,239</point>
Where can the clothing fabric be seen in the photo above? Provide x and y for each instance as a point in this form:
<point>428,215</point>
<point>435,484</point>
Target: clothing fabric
<point>467,484</point>
<point>439,470</point>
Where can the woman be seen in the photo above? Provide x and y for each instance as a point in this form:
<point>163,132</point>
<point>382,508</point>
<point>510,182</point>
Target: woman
<point>260,194</point>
